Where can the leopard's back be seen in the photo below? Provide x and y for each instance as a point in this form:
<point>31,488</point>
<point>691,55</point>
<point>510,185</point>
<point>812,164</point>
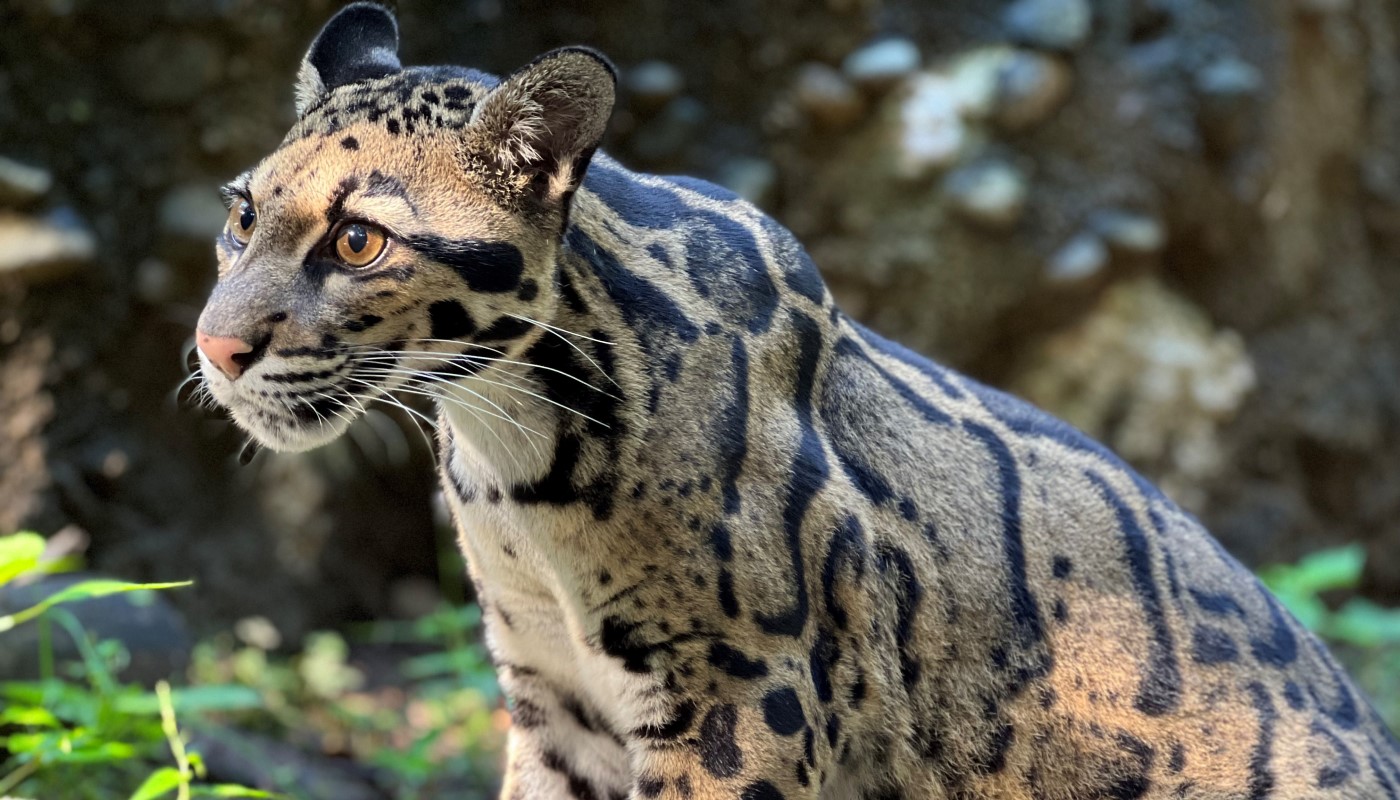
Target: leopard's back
<point>987,600</point>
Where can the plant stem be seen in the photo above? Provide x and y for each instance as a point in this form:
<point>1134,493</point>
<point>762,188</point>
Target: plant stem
<point>17,777</point>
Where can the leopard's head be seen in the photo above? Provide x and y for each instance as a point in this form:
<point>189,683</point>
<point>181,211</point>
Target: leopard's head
<point>405,231</point>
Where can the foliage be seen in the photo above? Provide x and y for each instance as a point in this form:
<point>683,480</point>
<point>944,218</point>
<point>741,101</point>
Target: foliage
<point>432,723</point>
<point>54,731</point>
<point>1364,635</point>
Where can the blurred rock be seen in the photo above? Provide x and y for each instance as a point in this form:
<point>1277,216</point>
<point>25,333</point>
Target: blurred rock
<point>932,133</point>
<point>753,179</point>
<point>671,131</point>
<point>654,83</point>
<point>1146,373</point>
<point>1323,6</point>
<point>263,763</point>
<point>146,624</point>
<point>1082,258</point>
<point>1228,90</point>
<point>38,249</point>
<point>170,69</point>
<point>1031,87</point>
<point>22,185</point>
<point>989,192</point>
<point>882,63</point>
<point>827,97</point>
<point>1129,232</point>
<point>155,281</point>
<point>976,75</point>
<point>193,213</point>
<point>1049,24</point>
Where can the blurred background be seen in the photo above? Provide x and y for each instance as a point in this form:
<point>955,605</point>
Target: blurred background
<point>1175,223</point>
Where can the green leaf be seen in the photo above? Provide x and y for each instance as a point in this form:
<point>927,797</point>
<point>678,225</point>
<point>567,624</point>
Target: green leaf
<point>85,590</point>
<point>213,697</point>
<point>1365,624</point>
<point>28,716</point>
<point>158,784</point>
<point>1325,570</point>
<point>19,553</point>
<point>231,790</point>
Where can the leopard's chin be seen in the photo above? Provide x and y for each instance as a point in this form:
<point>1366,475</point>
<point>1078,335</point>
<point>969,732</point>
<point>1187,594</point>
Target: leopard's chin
<point>284,433</point>
<point>286,426</point>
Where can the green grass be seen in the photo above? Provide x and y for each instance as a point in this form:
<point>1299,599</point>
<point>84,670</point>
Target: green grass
<point>75,736</point>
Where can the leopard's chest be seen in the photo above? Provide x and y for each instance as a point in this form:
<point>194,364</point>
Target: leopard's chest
<point>541,628</point>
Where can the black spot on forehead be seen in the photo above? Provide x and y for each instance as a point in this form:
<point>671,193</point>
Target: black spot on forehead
<point>407,101</point>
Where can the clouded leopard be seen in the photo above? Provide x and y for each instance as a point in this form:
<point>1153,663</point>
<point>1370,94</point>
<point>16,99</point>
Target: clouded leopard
<point>729,543</point>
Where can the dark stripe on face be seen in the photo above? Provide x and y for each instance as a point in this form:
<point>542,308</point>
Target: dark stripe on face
<point>490,267</point>
<point>364,323</point>
<point>450,320</point>
<point>337,207</point>
<point>505,328</point>
<point>381,185</point>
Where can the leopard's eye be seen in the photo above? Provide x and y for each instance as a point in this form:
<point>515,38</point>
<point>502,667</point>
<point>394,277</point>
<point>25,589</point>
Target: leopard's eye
<point>358,244</point>
<point>242,219</point>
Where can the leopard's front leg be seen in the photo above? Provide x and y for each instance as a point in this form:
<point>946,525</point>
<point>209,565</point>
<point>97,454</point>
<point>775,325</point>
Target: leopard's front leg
<point>557,748</point>
<point>731,751</point>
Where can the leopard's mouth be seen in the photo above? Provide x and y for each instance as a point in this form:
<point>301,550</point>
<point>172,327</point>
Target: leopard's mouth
<point>287,410</point>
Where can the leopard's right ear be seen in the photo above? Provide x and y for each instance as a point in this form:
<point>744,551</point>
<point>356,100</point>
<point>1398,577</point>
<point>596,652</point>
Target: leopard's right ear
<point>360,43</point>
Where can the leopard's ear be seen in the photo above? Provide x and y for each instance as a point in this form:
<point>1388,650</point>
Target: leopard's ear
<point>535,133</point>
<point>361,42</point>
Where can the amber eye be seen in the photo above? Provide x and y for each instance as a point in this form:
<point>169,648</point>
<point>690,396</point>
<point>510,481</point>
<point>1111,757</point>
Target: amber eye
<point>358,245</point>
<point>242,219</point>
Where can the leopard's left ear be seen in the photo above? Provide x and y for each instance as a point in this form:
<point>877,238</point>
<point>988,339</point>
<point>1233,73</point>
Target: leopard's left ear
<point>360,43</point>
<point>535,133</point>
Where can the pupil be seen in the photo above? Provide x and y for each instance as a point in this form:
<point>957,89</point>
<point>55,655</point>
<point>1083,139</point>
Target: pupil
<point>357,238</point>
<point>245,220</point>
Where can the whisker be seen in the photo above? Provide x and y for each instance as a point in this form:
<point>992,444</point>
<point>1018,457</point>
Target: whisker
<point>429,354</point>
<point>470,409</point>
<point>439,378</point>
<point>559,332</point>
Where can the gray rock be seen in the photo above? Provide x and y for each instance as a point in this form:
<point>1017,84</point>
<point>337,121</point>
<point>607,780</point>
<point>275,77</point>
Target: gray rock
<point>1129,232</point>
<point>150,628</point>
<point>672,129</point>
<point>22,185</point>
<point>653,83</point>
<point>1228,92</point>
<point>262,762</point>
<point>193,213</point>
<point>990,192</point>
<point>43,248</point>
<point>1082,258</point>
<point>883,62</point>
<point>155,281</point>
<point>1049,24</point>
<point>932,132</point>
<point>1323,6</point>
<point>1031,87</point>
<point>1229,78</point>
<point>827,97</point>
<point>753,179</point>
<point>167,69</point>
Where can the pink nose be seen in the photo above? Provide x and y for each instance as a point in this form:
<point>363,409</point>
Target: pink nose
<point>229,353</point>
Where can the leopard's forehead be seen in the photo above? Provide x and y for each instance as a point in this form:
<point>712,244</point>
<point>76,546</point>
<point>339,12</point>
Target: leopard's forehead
<point>412,101</point>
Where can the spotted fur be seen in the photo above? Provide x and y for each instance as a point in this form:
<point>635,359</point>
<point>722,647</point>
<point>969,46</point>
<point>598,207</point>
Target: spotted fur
<point>730,544</point>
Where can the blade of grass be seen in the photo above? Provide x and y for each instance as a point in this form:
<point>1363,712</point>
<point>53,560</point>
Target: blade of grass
<point>85,590</point>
